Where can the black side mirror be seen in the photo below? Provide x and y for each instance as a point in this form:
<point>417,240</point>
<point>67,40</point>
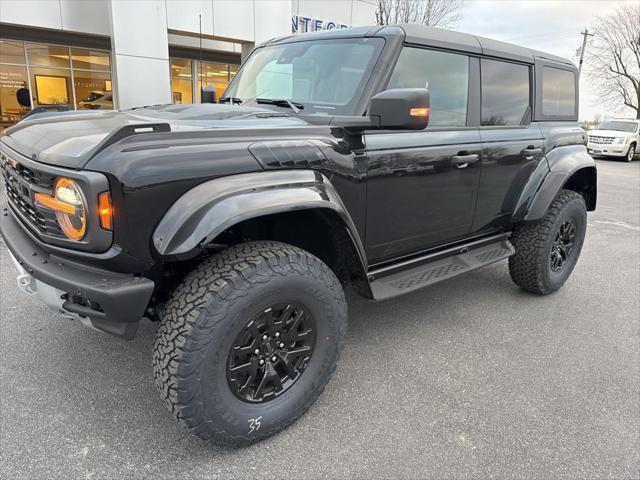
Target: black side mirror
<point>401,108</point>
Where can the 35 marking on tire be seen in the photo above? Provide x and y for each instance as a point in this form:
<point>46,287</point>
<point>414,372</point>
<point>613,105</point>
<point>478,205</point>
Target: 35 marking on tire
<point>254,424</point>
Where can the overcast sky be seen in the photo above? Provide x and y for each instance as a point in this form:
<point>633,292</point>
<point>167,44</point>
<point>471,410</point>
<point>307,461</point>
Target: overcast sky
<point>552,26</point>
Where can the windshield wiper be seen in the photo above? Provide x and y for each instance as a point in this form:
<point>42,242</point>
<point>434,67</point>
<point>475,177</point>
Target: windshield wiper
<point>231,100</point>
<point>282,102</point>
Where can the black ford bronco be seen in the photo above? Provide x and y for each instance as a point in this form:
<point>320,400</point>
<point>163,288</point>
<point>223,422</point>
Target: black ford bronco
<point>385,158</point>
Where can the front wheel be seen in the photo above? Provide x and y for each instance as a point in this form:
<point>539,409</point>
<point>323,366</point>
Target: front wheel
<point>248,341</point>
<point>631,153</point>
<point>548,249</point>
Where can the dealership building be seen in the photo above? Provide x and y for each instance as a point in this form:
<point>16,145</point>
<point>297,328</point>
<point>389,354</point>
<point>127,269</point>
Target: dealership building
<point>103,54</point>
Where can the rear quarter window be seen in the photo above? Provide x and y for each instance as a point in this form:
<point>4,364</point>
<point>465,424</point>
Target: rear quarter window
<point>558,92</point>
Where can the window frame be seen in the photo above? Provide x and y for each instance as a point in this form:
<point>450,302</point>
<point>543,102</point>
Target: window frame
<point>538,115</point>
<point>473,89</point>
<point>528,117</point>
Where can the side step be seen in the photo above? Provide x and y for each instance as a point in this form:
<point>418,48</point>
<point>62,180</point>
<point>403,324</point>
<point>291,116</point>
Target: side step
<point>411,275</point>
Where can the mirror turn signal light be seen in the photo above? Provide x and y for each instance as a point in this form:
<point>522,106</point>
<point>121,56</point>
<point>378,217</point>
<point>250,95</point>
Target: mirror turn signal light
<point>105,211</point>
<point>419,112</point>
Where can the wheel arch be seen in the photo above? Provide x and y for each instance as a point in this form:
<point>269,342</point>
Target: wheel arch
<point>569,167</point>
<point>298,207</point>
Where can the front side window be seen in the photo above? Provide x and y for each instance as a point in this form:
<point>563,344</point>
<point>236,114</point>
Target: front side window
<point>558,92</point>
<point>505,92</point>
<point>446,75</point>
<point>326,77</point>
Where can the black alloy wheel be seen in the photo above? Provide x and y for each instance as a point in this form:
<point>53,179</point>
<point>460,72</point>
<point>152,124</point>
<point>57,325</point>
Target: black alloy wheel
<point>270,354</point>
<point>562,245</point>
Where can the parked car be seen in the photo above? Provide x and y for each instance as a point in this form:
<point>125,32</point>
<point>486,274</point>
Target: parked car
<point>236,226</point>
<point>615,138</point>
<point>97,100</point>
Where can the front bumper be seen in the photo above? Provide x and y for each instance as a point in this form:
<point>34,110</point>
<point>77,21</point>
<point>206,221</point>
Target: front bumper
<point>619,150</point>
<point>111,302</point>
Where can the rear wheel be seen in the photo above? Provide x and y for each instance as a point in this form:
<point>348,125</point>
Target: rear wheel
<point>249,341</point>
<point>547,250</point>
<point>631,152</point>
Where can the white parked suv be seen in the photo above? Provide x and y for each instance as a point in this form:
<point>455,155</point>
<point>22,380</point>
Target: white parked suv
<point>617,138</point>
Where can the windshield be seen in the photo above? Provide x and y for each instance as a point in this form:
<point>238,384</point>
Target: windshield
<point>325,77</point>
<point>621,126</point>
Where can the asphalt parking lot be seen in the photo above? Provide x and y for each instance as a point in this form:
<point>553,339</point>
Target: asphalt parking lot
<point>471,378</point>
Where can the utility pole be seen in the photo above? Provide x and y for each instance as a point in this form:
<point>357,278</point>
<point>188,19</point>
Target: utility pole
<point>585,33</point>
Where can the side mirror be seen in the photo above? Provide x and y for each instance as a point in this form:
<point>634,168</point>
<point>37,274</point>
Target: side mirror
<point>401,108</point>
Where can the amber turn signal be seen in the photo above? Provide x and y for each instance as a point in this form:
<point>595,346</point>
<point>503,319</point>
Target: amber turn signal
<point>105,211</point>
<point>419,112</point>
<point>52,203</point>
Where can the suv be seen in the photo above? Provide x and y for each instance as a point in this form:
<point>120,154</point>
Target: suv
<point>616,138</point>
<point>236,226</point>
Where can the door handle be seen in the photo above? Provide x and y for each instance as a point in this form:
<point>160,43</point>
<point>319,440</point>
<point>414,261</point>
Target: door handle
<point>529,152</point>
<point>463,161</point>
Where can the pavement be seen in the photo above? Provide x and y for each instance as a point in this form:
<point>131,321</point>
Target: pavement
<point>471,378</point>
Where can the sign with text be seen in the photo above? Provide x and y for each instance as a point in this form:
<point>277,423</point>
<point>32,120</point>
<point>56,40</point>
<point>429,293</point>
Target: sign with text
<point>301,24</point>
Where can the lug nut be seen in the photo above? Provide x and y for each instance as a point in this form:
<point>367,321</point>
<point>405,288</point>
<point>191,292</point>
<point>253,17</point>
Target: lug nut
<point>273,359</point>
<point>277,334</point>
<point>264,337</point>
<point>256,351</point>
<point>281,345</point>
<point>261,362</point>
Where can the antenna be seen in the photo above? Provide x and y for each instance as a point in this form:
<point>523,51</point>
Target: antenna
<point>201,79</point>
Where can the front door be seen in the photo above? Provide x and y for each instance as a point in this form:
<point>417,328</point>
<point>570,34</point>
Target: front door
<point>422,185</point>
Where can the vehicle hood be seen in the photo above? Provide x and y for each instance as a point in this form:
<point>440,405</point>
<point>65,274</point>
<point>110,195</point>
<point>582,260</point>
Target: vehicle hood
<point>609,133</point>
<point>70,139</point>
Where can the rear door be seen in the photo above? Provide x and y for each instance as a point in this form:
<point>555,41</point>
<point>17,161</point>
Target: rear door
<point>422,185</point>
<point>511,143</point>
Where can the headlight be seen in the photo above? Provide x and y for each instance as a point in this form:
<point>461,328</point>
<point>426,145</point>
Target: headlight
<point>618,141</point>
<point>69,205</point>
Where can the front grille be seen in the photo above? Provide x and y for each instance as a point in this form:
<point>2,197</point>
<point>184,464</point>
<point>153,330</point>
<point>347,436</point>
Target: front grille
<point>601,140</point>
<point>21,183</point>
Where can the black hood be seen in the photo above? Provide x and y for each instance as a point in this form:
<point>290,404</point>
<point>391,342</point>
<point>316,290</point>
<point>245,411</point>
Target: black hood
<point>70,139</point>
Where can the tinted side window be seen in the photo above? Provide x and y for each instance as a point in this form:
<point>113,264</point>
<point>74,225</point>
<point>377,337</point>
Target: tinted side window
<point>505,92</point>
<point>446,75</point>
<point>558,92</point>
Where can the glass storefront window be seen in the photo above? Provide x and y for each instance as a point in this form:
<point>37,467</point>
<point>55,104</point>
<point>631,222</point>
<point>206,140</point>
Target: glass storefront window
<point>93,90</point>
<point>215,75</point>
<point>12,51</point>
<point>78,78</point>
<point>182,90</point>
<point>90,59</point>
<point>51,86</point>
<point>181,80</point>
<point>14,94</point>
<point>47,55</point>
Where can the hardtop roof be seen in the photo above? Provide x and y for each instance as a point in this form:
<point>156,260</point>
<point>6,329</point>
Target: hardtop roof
<point>435,37</point>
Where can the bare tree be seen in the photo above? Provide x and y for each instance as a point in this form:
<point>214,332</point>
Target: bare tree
<point>614,58</point>
<point>435,13</point>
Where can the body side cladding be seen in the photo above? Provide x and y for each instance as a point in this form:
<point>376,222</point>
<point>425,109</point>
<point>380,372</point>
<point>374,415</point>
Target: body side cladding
<point>570,167</point>
<point>209,209</point>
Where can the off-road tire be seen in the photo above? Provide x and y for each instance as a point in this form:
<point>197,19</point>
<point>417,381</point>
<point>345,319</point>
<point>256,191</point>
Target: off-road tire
<point>530,267</point>
<point>203,317</point>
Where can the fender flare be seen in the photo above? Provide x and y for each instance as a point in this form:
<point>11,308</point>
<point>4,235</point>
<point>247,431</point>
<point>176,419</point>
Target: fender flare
<point>212,207</point>
<point>549,178</point>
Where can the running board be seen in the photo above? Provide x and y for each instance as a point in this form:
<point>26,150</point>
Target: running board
<point>411,275</point>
